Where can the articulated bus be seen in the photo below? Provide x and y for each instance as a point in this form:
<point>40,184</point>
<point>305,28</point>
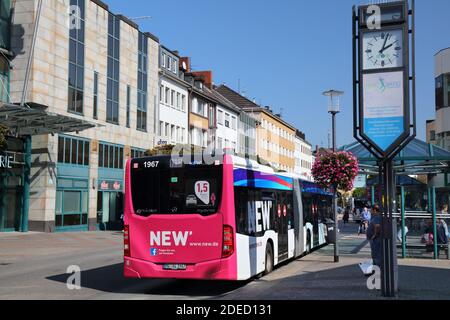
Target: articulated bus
<point>232,220</point>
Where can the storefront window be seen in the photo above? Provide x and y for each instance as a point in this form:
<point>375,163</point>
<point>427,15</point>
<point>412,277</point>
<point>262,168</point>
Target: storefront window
<point>73,151</point>
<point>71,203</point>
<point>110,156</point>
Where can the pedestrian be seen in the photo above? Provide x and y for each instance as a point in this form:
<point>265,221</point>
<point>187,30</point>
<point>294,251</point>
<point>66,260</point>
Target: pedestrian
<point>442,232</point>
<point>365,219</point>
<point>374,235</point>
<point>346,215</point>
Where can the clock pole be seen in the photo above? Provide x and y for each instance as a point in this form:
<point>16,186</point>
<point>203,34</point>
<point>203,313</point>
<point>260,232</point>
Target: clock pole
<point>384,112</point>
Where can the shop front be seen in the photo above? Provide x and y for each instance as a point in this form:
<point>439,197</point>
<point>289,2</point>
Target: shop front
<point>110,198</point>
<point>72,188</point>
<point>110,205</point>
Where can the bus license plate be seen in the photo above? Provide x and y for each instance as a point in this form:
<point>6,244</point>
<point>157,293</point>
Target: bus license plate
<point>174,267</point>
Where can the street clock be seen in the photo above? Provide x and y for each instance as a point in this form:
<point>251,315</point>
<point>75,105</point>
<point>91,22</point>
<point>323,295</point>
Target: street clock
<point>382,49</point>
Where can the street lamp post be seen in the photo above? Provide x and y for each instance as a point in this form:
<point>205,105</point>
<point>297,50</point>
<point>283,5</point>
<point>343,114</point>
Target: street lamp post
<point>334,109</point>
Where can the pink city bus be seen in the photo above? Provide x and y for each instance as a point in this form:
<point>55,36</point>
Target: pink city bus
<point>231,220</point>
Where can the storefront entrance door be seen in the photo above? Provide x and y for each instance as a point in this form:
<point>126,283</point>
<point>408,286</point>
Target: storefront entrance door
<point>109,212</point>
<point>11,198</point>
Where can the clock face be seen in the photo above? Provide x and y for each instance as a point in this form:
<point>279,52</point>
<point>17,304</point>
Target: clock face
<point>383,49</point>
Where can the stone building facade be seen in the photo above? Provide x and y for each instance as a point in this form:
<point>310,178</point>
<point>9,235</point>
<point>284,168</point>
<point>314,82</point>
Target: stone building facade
<point>94,65</point>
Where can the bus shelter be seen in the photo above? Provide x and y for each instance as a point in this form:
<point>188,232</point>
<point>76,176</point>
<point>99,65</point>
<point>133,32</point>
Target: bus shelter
<point>422,193</point>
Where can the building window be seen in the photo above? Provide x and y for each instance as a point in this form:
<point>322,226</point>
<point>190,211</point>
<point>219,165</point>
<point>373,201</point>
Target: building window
<point>174,66</point>
<point>211,117</point>
<point>112,99</point>
<point>227,120</point>
<point>447,87</point>
<point>110,156</point>
<point>178,101</point>
<point>4,79</point>
<point>71,202</point>
<point>95,102</point>
<point>167,98</point>
<point>161,93</point>
<point>439,92</point>
<point>142,83</point>
<point>137,153</point>
<point>201,106</point>
<point>220,117</point>
<point>183,103</point>
<point>233,123</point>
<point>166,132</point>
<point>76,62</point>
<point>172,133</point>
<point>172,98</point>
<point>432,135</point>
<point>128,105</point>
<point>73,151</point>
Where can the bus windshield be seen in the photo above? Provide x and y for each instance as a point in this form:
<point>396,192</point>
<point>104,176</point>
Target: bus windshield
<point>191,189</point>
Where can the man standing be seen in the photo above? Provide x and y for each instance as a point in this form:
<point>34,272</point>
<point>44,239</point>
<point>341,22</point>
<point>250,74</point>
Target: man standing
<point>374,235</point>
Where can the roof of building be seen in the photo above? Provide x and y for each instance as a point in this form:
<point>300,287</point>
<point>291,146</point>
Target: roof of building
<point>225,102</point>
<point>442,50</point>
<point>248,105</point>
<point>238,99</point>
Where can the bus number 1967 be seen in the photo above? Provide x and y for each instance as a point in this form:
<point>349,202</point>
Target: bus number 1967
<point>151,164</point>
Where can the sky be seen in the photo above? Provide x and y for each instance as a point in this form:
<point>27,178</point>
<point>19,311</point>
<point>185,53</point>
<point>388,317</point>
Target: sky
<point>285,53</point>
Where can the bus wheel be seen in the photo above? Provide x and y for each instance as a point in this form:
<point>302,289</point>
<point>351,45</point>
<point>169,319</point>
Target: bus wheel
<point>269,259</point>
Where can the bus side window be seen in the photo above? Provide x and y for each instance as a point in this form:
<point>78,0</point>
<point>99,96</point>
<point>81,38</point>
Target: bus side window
<point>241,196</point>
<point>307,208</point>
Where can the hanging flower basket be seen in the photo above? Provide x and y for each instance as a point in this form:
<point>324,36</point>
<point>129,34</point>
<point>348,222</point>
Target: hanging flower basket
<point>338,170</point>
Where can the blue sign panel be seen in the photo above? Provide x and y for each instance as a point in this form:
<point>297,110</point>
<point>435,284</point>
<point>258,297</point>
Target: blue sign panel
<point>383,100</point>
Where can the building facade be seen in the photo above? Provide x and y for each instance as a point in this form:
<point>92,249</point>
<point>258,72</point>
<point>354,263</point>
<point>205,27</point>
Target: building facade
<point>100,67</point>
<point>438,130</point>
<point>5,55</point>
<point>225,123</point>
<point>303,157</point>
<point>172,115</point>
<point>247,124</point>
<point>276,140</point>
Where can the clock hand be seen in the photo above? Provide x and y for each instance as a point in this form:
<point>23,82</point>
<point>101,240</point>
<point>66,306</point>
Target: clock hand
<point>384,44</point>
<point>385,48</point>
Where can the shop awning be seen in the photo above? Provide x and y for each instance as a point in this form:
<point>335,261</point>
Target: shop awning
<point>418,158</point>
<point>33,119</point>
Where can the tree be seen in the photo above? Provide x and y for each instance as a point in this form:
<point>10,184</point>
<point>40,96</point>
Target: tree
<point>3,132</point>
<point>359,193</point>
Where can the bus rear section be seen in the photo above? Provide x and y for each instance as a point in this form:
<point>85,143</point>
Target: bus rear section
<point>176,221</point>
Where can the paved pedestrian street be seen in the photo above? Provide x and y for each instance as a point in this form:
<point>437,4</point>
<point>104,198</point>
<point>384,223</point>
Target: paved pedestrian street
<point>34,265</point>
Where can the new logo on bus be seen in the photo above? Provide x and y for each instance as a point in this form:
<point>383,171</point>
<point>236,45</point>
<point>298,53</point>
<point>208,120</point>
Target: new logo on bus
<point>169,238</point>
<point>259,215</point>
